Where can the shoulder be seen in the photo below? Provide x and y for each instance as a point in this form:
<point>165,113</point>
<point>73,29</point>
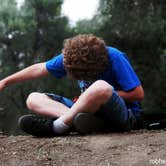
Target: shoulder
<point>55,62</point>
<point>55,66</point>
<point>58,59</point>
<point>113,50</point>
<point>115,54</point>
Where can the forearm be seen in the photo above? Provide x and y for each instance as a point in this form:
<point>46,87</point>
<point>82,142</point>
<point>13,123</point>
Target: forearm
<point>126,96</point>
<point>29,73</point>
<point>136,94</point>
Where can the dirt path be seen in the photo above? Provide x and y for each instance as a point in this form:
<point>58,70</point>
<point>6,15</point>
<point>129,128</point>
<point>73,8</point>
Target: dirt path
<point>138,148</point>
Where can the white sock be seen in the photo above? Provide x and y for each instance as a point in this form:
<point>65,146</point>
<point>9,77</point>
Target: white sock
<point>59,126</point>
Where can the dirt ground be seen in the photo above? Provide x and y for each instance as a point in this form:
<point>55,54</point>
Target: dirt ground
<point>137,148</point>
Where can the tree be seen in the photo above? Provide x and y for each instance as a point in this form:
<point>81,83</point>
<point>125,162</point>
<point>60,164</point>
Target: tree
<point>139,28</point>
<point>28,35</point>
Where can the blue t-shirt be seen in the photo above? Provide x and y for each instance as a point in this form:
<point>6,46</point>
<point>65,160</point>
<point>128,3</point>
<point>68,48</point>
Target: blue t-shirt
<point>119,73</point>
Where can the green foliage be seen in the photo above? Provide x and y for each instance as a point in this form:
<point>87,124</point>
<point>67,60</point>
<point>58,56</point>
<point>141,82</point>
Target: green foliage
<point>88,26</point>
<point>139,28</point>
<point>28,35</point>
<point>36,31</point>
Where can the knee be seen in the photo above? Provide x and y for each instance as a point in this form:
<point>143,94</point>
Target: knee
<point>32,99</point>
<point>102,89</point>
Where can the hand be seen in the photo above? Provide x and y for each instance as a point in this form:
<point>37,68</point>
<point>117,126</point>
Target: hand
<point>2,84</point>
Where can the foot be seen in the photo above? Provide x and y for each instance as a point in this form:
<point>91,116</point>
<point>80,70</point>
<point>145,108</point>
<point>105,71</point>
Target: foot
<point>37,125</point>
<point>88,123</point>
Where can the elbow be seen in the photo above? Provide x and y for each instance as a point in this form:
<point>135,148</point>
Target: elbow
<point>140,95</point>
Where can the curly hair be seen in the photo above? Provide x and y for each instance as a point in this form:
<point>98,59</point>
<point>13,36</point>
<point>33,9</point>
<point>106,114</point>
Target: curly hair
<point>85,56</point>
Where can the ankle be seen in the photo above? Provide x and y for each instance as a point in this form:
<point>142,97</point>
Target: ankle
<point>59,126</point>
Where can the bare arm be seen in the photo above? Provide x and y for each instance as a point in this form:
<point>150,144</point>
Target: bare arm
<point>136,94</point>
<point>35,71</point>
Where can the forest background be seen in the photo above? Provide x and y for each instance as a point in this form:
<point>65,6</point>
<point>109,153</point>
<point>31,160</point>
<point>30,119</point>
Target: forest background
<point>35,32</point>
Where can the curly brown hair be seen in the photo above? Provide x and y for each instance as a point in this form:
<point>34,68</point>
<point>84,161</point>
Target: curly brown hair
<point>85,56</point>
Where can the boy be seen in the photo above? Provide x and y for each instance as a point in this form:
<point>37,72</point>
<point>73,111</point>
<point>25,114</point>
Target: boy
<point>110,96</point>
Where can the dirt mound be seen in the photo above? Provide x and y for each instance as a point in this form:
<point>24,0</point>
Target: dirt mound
<point>137,148</point>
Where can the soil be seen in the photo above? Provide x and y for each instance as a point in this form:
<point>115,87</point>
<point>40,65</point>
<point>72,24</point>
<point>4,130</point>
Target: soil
<point>137,148</point>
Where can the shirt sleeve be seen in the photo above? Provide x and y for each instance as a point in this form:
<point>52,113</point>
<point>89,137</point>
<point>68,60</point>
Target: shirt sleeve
<point>124,73</point>
<point>55,66</point>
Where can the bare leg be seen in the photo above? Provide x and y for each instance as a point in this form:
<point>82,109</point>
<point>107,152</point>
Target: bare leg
<point>90,101</point>
<point>43,105</point>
